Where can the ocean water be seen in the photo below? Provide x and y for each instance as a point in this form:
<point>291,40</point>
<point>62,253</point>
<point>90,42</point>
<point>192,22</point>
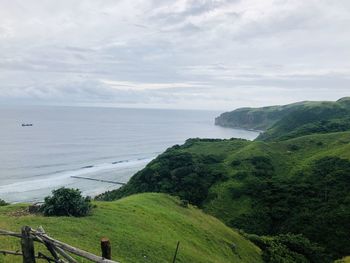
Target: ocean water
<point>101,143</point>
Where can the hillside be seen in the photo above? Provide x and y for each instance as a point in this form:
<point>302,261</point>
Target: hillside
<point>256,118</point>
<point>299,185</point>
<point>291,121</point>
<point>142,228</point>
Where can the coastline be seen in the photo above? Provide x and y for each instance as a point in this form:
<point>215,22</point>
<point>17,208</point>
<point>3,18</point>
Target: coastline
<point>239,128</point>
<point>96,142</point>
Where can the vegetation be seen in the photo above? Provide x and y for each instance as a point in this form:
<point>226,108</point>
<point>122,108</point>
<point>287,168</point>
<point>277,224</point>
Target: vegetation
<point>291,121</point>
<point>66,202</point>
<point>142,228</point>
<point>179,172</point>
<point>256,118</point>
<point>3,203</point>
<point>289,248</point>
<point>289,189</point>
<point>297,186</point>
<point>344,260</point>
<point>324,117</point>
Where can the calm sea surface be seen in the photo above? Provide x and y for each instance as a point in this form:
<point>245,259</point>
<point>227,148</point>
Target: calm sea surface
<point>101,143</point>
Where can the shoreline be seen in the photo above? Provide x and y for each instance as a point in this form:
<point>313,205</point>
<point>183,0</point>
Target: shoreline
<point>67,178</point>
<point>240,128</point>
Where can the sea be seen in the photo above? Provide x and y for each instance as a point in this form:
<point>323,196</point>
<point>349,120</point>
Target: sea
<point>108,144</point>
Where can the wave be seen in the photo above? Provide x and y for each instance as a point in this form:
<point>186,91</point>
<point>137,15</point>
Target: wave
<point>63,177</point>
<point>87,167</point>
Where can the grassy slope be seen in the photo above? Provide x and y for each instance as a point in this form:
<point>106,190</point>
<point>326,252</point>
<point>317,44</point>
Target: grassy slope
<point>288,158</point>
<point>285,160</point>
<point>344,260</point>
<point>138,226</point>
<point>347,260</point>
<point>287,163</point>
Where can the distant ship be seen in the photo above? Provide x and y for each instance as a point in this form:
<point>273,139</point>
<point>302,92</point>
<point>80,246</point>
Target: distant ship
<point>26,124</point>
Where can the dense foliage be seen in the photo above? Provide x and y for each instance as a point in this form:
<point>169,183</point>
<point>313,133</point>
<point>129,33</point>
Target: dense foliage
<point>324,118</point>
<point>66,202</point>
<point>3,203</point>
<point>174,172</point>
<point>288,248</point>
<point>315,203</point>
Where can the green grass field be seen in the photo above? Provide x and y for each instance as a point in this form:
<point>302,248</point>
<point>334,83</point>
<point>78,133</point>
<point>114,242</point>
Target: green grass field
<point>142,228</point>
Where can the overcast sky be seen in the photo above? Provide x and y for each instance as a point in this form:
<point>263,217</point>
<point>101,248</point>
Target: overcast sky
<point>174,54</point>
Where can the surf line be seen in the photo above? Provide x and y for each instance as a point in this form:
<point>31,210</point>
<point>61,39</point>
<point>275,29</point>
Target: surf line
<point>98,180</point>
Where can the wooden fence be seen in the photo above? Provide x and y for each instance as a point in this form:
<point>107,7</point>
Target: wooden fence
<point>59,251</point>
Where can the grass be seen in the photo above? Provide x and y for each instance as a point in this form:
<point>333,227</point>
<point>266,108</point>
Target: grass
<point>142,228</point>
<point>288,157</point>
<point>240,197</point>
<point>344,260</point>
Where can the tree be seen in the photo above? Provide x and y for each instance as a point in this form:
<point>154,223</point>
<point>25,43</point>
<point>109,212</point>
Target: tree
<point>66,202</point>
<point>3,203</point>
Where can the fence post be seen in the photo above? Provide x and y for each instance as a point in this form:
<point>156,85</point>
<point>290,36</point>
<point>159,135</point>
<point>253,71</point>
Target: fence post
<point>27,245</point>
<point>177,250</point>
<point>106,248</point>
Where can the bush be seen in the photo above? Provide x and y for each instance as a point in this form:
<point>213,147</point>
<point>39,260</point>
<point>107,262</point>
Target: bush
<point>66,202</point>
<point>235,162</point>
<point>288,248</point>
<point>184,203</point>
<point>3,203</point>
<point>183,174</point>
<point>293,147</point>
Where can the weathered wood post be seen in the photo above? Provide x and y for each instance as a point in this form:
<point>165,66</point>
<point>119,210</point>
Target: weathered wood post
<point>106,248</point>
<point>27,245</point>
<point>177,249</point>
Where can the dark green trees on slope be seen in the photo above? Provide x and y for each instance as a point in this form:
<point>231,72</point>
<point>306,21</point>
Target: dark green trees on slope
<point>176,172</point>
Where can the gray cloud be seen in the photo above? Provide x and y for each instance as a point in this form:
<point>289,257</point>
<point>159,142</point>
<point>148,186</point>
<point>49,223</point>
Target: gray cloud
<point>178,54</point>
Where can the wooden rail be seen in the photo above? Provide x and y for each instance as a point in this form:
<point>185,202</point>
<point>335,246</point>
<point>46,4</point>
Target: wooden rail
<point>58,250</point>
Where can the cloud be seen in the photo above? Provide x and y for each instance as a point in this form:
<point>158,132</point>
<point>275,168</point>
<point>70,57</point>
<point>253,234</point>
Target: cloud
<point>126,85</point>
<point>178,54</point>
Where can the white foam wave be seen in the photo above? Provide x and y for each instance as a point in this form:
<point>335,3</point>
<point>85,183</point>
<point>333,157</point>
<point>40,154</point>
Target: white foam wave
<point>60,178</point>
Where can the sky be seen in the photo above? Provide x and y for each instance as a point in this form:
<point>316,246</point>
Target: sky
<point>182,54</point>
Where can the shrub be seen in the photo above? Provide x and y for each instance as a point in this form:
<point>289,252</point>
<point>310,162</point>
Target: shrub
<point>235,162</point>
<point>184,203</point>
<point>288,248</point>
<point>3,203</point>
<point>66,202</point>
<point>293,147</point>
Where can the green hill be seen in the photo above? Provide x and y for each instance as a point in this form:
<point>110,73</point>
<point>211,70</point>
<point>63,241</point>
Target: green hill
<point>287,192</point>
<point>142,228</point>
<point>256,118</point>
<point>296,186</point>
<point>291,121</point>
